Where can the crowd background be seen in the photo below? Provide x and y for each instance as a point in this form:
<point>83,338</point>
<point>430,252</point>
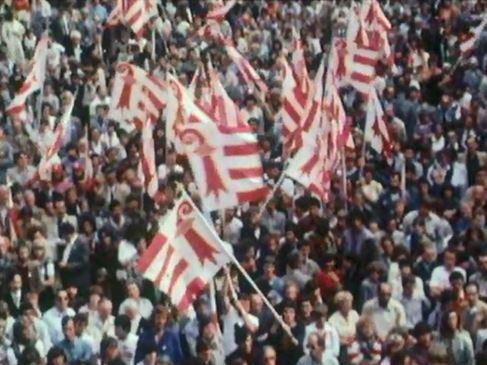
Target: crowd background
<point>382,273</point>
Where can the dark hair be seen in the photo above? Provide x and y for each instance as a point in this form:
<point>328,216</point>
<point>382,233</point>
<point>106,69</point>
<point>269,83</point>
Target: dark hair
<point>202,345</point>
<point>456,275</point>
<point>123,321</point>
<point>30,356</point>
<point>66,320</point>
<point>54,353</point>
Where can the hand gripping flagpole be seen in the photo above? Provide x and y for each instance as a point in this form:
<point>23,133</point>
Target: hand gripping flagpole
<point>276,315</point>
<point>274,189</point>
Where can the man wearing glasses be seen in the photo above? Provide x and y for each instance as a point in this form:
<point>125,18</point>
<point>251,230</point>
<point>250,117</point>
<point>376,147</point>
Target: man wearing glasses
<point>54,316</point>
<point>316,356</point>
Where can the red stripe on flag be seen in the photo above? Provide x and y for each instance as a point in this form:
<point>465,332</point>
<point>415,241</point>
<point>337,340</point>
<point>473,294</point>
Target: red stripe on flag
<point>16,109</point>
<point>157,243</point>
<point>241,149</point>
<point>245,173</point>
<point>178,270</point>
<point>364,60</point>
<point>361,77</point>
<point>286,105</point>
<point>163,270</point>
<point>252,195</point>
<point>192,290</point>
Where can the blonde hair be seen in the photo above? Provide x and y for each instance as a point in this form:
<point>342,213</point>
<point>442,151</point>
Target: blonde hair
<point>342,296</point>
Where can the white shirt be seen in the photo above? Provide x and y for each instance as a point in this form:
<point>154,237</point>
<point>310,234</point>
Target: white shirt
<point>53,318</point>
<point>387,318</point>
<point>69,247</point>
<point>144,306</point>
<point>440,277</point>
<point>127,348</point>
<point>332,339</point>
<point>230,319</point>
<point>231,232</point>
<point>345,326</point>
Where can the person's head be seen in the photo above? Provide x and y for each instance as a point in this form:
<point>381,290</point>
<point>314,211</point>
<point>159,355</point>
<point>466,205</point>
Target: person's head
<point>66,230</point>
<point>203,350</point>
<point>438,354</point>
<point>80,323</point>
<point>316,346</point>
<point>422,332</point>
<point>401,358</point>
<point>449,323</point>
<point>365,328</point>
<point>306,307</point>
<point>384,294</point>
<point>122,326</point>
<point>109,348</point>
<point>67,324</point>
<point>269,355</point>
<point>96,292</point>
<point>449,259</point>
<point>243,339</point>
<point>482,261</point>
<point>62,300</point>
<point>472,293</point>
<point>105,308</point>
<point>269,267</point>
<point>289,312</point>
<point>408,284</point>
<point>343,301</point>
<point>133,290</point>
<point>30,356</point>
<point>457,281</point>
<point>160,316</point>
<point>15,282</point>
<point>3,325</point>
<point>291,291</point>
<point>320,313</point>
<point>56,356</point>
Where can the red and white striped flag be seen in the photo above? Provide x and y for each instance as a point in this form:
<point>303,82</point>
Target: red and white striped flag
<point>378,26</point>
<point>220,12</point>
<point>362,56</point>
<point>184,255</point>
<point>307,166</point>
<point>50,158</point>
<point>249,74</point>
<point>224,109</point>
<point>468,43</point>
<point>225,161</point>
<point>148,173</point>
<point>135,95</point>
<point>376,132</point>
<point>298,64</point>
<point>34,81</point>
<point>293,104</point>
<point>135,13</point>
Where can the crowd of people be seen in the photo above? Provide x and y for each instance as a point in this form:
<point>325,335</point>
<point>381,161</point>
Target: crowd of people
<point>392,269</point>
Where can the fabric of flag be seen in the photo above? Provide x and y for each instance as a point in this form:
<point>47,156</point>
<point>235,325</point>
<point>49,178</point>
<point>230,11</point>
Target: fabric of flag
<point>219,13</point>
<point>148,160</point>
<point>467,44</point>
<point>225,160</point>
<point>376,132</point>
<point>34,81</point>
<point>50,158</point>
<point>249,74</point>
<point>135,13</point>
<point>298,64</point>
<point>224,110</point>
<point>184,255</point>
<point>293,104</point>
<point>307,166</point>
<point>136,95</point>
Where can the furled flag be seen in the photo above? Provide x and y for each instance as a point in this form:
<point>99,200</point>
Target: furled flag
<point>33,82</point>
<point>293,104</point>
<point>376,132</point>
<point>468,43</point>
<point>135,13</point>
<point>148,160</point>
<point>249,74</point>
<point>89,173</point>
<point>225,160</point>
<point>224,109</point>
<point>205,99</point>
<point>51,157</point>
<point>311,120</point>
<point>13,215</point>
<point>307,166</point>
<point>184,255</point>
<point>298,64</point>
<point>136,94</point>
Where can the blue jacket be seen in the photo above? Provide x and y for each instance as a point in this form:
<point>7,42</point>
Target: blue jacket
<point>169,345</point>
